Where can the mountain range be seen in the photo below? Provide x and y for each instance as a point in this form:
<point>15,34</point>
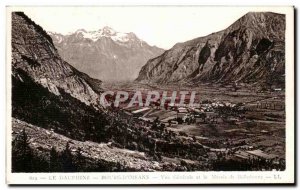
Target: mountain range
<point>35,56</point>
<point>55,113</point>
<point>46,90</point>
<point>105,54</point>
<point>55,103</point>
<point>251,50</point>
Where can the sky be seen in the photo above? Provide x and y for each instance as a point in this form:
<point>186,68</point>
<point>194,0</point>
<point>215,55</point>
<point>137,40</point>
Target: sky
<point>157,25</point>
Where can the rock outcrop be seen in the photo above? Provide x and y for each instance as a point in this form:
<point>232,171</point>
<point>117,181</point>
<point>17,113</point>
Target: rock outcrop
<point>34,53</point>
<point>251,50</point>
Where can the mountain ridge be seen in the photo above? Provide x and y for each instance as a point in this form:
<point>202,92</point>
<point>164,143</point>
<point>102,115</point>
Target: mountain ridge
<point>220,57</point>
<point>94,52</point>
<point>33,52</point>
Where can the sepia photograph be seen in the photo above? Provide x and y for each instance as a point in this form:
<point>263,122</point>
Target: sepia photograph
<point>149,95</point>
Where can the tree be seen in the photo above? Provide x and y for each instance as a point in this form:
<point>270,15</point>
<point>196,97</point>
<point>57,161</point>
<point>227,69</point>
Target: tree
<point>22,156</point>
<point>66,159</point>
<point>54,163</point>
<point>79,160</point>
<point>119,167</point>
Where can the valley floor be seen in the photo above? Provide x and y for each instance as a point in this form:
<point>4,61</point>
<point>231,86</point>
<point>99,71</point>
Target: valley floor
<point>250,136</point>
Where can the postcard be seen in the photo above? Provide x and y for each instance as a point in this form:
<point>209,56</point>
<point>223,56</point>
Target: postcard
<point>150,95</point>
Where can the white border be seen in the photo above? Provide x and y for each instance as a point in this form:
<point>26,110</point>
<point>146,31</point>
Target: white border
<point>286,176</point>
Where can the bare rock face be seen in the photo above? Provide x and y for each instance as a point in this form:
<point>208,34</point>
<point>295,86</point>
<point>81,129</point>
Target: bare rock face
<point>34,53</point>
<point>105,54</point>
<point>251,50</point>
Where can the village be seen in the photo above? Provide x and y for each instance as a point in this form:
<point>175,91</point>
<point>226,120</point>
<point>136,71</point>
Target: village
<point>228,131</point>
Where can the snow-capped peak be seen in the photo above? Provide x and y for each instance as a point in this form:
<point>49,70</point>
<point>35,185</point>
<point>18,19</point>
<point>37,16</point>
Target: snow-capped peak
<point>108,31</point>
<point>79,31</point>
<point>57,36</point>
<point>105,32</point>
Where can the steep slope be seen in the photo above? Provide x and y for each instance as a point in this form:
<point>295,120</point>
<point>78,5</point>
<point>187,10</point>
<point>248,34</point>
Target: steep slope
<point>48,93</point>
<point>34,53</point>
<point>95,154</point>
<point>251,50</point>
<point>46,90</point>
<point>105,54</point>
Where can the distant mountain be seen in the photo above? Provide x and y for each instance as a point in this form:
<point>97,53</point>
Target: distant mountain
<point>46,90</point>
<point>54,111</point>
<point>35,56</point>
<point>251,50</point>
<point>105,54</point>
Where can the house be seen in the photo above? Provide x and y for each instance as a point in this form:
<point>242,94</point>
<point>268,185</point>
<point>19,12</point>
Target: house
<point>182,112</point>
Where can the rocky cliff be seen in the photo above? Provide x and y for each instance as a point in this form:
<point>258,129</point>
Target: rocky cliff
<point>251,50</point>
<point>34,55</point>
<point>105,54</point>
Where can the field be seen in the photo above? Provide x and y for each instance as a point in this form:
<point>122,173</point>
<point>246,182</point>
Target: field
<point>229,130</point>
<point>260,126</point>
